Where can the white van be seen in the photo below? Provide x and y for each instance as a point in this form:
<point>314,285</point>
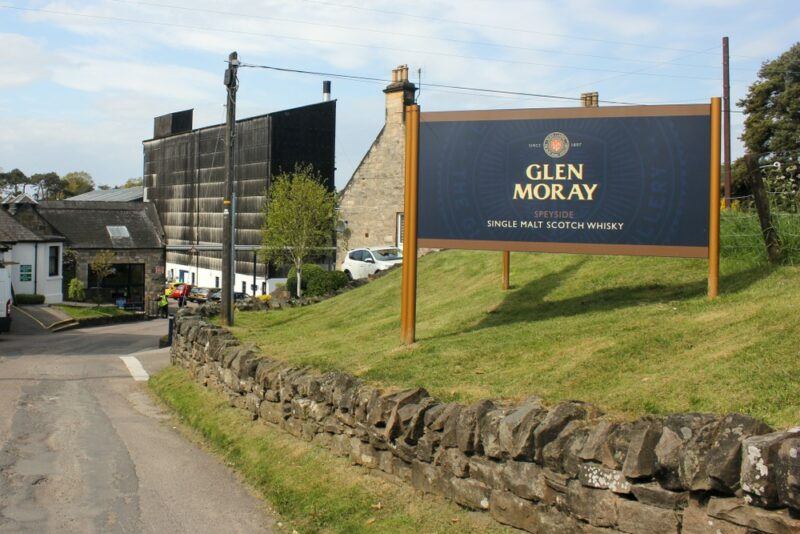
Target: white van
<point>5,300</point>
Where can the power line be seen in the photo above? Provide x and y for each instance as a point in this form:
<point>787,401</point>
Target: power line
<point>358,45</point>
<point>475,90</point>
<point>418,36</point>
<point>507,28</point>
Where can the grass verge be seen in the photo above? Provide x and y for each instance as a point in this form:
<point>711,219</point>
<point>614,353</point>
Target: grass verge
<point>308,486</point>
<point>85,312</point>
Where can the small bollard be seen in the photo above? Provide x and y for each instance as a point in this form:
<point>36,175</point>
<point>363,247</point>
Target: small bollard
<point>171,327</point>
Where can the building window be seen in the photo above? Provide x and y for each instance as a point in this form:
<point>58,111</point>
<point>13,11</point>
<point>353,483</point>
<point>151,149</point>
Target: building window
<point>54,261</point>
<point>192,278</point>
<point>400,229</point>
<point>216,281</point>
<point>244,286</point>
<point>263,288</point>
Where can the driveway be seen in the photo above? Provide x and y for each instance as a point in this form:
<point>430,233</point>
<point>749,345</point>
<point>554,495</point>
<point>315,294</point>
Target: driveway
<point>83,448</point>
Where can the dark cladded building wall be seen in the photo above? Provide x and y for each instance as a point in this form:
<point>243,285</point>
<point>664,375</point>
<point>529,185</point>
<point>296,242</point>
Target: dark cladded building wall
<point>184,176</point>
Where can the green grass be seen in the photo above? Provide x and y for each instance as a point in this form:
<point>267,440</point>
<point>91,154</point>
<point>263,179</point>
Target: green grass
<point>632,335</point>
<point>83,312</point>
<point>309,487</point>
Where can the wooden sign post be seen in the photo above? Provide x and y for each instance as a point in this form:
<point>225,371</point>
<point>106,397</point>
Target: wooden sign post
<point>713,211</point>
<point>408,299</point>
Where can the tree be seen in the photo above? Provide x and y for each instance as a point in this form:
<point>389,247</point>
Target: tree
<point>102,265</point>
<point>49,186</point>
<point>299,218</point>
<point>772,109</point>
<point>14,182</point>
<point>132,182</point>
<point>77,183</point>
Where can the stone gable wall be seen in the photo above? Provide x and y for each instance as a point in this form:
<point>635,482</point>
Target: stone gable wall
<point>539,468</point>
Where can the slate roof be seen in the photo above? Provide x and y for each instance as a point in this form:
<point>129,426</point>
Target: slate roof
<point>131,194</point>
<point>12,231</point>
<point>85,224</point>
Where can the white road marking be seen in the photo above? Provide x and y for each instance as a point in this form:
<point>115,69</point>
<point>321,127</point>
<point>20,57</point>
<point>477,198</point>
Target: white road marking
<point>135,367</point>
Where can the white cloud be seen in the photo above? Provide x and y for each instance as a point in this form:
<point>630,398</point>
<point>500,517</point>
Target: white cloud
<point>22,60</point>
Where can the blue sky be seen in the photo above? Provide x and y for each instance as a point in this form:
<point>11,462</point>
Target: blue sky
<point>80,92</point>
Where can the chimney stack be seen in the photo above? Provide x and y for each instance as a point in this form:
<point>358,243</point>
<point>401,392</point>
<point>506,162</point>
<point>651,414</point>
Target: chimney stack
<point>326,91</point>
<point>590,100</point>
<point>399,93</point>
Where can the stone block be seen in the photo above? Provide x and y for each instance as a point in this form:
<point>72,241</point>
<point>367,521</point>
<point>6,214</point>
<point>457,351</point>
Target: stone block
<point>516,429</point>
<point>640,459</point>
<point>600,477</point>
<point>556,420</point>
<point>489,433</point>
<point>637,518</point>
<point>470,493</point>
<point>453,461</point>
<point>508,509</point>
<point>524,479</point>
<point>724,459</point>
<point>695,520</point>
<point>422,476</point>
<point>736,511</point>
<point>652,493</point>
<point>561,454</point>
<point>598,445</point>
<point>761,478</point>
<point>595,506</point>
<point>487,471</point>
<point>787,467</point>
<point>466,430</point>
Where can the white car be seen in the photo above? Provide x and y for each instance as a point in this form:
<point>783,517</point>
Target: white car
<point>362,262</point>
<point>5,300</point>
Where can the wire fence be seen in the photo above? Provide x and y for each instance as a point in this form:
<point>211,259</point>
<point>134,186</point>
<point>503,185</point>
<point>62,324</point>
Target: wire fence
<point>740,229</point>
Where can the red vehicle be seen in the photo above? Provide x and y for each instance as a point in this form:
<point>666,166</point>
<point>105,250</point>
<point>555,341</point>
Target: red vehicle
<point>181,290</point>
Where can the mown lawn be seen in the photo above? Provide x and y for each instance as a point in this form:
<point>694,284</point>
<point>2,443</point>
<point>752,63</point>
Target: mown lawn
<point>84,312</point>
<point>632,335</point>
<point>309,487</point>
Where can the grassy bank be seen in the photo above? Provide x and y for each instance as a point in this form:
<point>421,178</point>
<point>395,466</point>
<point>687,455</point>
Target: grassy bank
<point>309,487</point>
<point>85,312</point>
<point>633,335</point>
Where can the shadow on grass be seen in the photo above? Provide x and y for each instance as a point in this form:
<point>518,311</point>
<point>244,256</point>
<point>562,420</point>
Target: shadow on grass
<point>528,304</point>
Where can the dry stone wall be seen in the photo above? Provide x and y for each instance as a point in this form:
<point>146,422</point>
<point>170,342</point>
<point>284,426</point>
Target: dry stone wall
<point>539,468</point>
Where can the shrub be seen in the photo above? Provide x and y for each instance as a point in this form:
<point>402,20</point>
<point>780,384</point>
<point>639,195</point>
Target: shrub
<point>265,298</point>
<point>310,270</point>
<point>326,283</point>
<point>76,292</point>
<point>27,298</point>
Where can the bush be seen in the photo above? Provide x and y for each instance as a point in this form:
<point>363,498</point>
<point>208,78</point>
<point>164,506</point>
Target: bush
<point>265,298</point>
<point>76,291</point>
<point>310,270</point>
<point>316,281</point>
<point>27,298</point>
<point>327,283</point>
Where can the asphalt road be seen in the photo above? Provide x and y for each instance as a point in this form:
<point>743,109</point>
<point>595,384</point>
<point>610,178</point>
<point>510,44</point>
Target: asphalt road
<point>83,448</point>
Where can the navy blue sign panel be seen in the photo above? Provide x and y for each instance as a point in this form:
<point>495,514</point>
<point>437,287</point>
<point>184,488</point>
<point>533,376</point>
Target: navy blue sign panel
<point>613,180</point>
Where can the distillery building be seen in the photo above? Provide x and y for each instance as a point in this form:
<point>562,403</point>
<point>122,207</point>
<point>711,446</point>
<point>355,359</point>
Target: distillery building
<point>184,177</point>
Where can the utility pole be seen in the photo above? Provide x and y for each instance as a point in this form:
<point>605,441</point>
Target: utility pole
<point>231,83</point>
<point>726,110</point>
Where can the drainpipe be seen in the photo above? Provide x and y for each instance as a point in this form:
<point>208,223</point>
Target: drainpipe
<point>35,268</point>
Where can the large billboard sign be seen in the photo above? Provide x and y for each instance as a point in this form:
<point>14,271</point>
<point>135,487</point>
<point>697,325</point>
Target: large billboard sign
<point>609,180</point>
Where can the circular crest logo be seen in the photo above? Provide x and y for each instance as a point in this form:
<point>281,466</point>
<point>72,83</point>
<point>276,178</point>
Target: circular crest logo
<point>556,144</point>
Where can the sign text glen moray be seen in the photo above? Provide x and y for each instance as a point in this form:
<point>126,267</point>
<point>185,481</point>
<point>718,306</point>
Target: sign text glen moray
<point>613,180</point>
<point>542,174</point>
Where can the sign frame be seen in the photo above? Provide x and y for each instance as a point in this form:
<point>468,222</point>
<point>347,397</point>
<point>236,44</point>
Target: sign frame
<point>413,117</point>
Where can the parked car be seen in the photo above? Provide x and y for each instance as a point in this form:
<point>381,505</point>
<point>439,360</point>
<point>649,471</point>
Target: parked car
<point>5,300</point>
<point>180,290</point>
<point>216,296</point>
<point>200,294</point>
<point>362,262</point>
